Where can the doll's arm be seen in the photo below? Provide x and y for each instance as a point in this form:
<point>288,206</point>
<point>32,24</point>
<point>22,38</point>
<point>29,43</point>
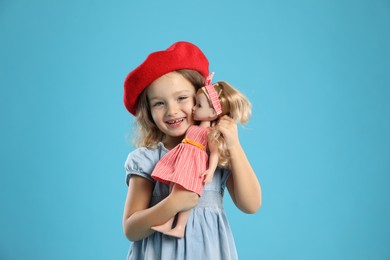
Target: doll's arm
<point>243,185</point>
<point>213,162</point>
<point>138,218</point>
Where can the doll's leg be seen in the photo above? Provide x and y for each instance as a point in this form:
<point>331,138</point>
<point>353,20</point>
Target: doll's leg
<point>181,223</point>
<point>164,227</point>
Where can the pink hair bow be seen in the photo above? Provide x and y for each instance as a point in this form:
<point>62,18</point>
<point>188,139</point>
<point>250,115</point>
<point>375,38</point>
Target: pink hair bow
<point>213,95</point>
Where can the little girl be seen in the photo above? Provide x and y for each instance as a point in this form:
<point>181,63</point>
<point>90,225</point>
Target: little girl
<point>187,163</point>
<point>160,93</point>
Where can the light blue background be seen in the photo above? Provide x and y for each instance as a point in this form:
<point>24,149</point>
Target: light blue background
<point>317,72</point>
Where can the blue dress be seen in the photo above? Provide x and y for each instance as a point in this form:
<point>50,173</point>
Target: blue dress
<point>208,234</point>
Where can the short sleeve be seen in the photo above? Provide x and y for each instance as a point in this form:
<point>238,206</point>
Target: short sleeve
<point>141,162</point>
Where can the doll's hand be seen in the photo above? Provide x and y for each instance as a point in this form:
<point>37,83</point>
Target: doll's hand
<point>208,176</point>
<point>228,127</point>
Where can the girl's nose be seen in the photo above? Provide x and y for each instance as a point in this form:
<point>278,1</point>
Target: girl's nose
<point>172,109</point>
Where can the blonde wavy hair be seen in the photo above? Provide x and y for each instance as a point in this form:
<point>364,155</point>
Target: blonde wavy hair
<point>147,132</point>
<point>235,105</point>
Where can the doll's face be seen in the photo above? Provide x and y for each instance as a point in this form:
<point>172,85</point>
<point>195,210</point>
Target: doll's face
<point>202,110</point>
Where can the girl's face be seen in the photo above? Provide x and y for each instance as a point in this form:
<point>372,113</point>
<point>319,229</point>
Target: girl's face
<point>202,110</point>
<point>171,98</point>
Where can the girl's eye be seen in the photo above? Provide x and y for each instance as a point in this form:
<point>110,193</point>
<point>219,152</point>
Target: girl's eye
<point>181,98</point>
<point>157,104</point>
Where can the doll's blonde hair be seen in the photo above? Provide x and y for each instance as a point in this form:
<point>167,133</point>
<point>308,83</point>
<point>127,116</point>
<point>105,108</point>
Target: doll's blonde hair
<point>147,134</point>
<point>235,105</point>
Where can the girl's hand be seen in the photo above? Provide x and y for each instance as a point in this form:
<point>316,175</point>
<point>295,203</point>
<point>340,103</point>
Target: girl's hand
<point>183,199</point>
<point>228,127</point>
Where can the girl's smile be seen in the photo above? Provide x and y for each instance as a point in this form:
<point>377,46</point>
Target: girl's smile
<point>175,122</point>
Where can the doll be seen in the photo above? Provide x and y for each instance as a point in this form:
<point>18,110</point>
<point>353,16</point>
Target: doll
<point>190,164</point>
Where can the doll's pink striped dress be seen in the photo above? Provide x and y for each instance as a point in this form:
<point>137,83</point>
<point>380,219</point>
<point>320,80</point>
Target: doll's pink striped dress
<point>186,162</point>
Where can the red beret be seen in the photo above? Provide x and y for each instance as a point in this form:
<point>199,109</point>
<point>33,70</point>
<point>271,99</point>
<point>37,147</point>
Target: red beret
<point>181,55</point>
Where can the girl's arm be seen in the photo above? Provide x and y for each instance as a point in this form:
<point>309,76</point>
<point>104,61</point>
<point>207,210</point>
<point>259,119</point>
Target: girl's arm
<point>243,185</point>
<point>138,218</point>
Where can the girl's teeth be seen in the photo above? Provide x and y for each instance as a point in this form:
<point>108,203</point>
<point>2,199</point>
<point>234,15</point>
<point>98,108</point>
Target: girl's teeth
<point>175,121</point>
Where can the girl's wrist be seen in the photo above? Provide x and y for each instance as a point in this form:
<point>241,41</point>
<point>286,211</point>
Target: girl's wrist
<point>233,147</point>
<point>181,200</point>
